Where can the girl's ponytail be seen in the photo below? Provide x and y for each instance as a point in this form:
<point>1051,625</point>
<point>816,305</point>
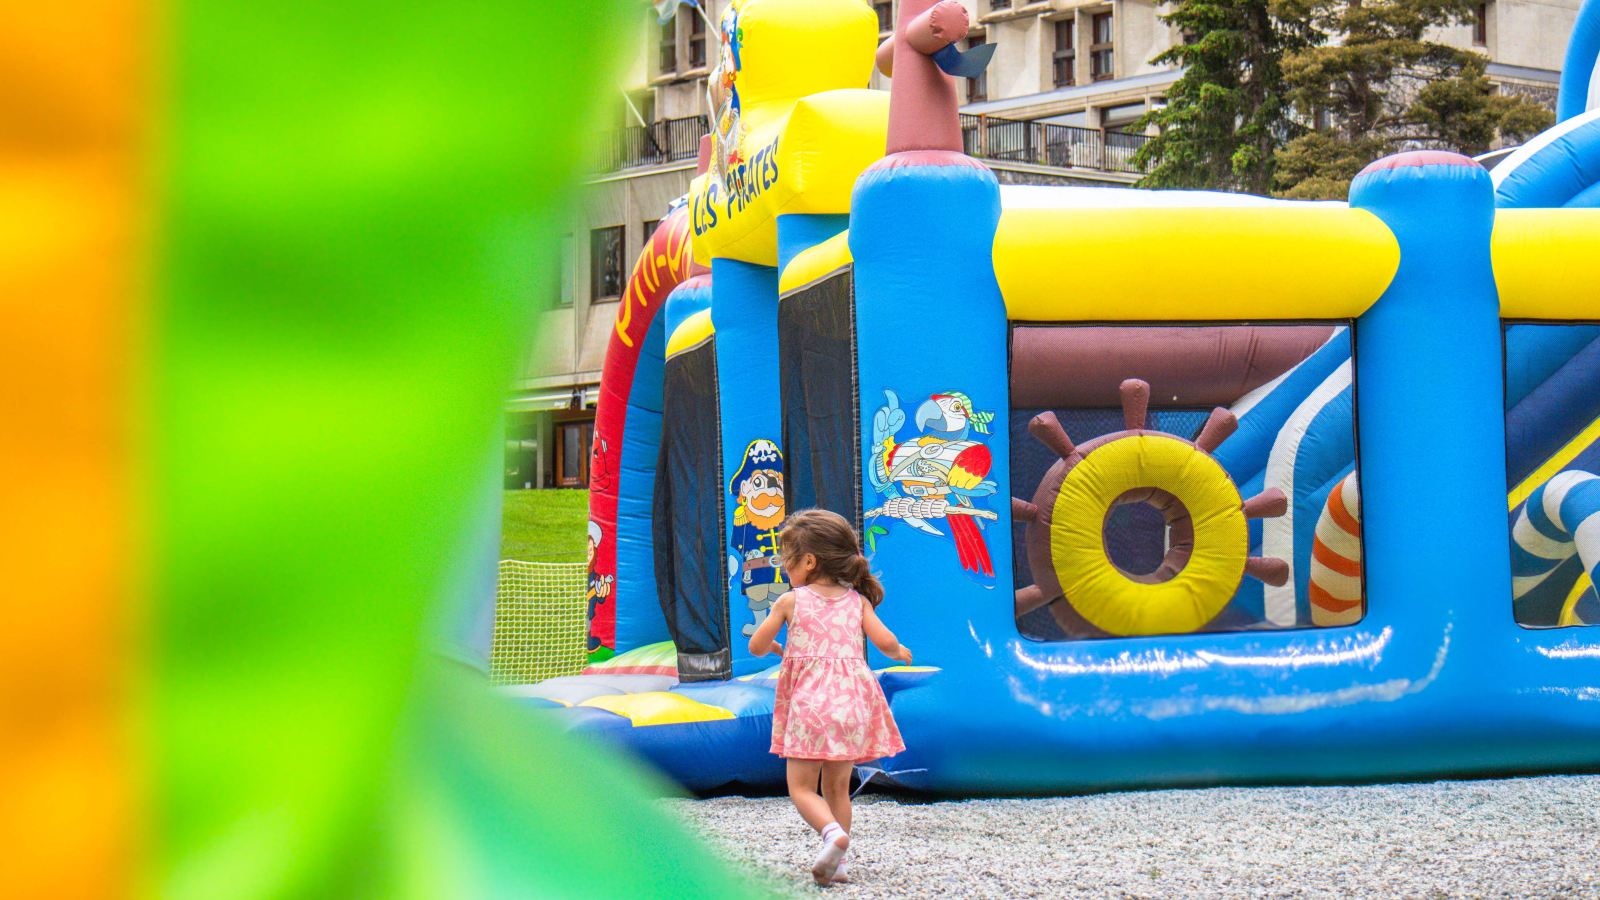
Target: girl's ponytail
<point>859,574</point>
<point>830,538</point>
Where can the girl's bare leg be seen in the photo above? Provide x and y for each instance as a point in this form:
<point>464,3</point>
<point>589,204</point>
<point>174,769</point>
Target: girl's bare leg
<point>802,777</point>
<point>836,789</point>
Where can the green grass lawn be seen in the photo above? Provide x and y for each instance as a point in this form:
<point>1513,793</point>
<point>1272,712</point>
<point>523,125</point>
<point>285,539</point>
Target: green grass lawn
<point>544,526</point>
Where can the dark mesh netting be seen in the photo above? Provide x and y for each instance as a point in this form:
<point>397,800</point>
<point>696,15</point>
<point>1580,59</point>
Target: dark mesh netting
<point>1136,533</point>
<point>821,430</point>
<point>688,529</point>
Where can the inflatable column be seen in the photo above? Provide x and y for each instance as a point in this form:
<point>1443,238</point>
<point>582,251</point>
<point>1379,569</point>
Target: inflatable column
<point>1429,401</point>
<point>931,331</point>
<point>798,232</point>
<point>744,306</point>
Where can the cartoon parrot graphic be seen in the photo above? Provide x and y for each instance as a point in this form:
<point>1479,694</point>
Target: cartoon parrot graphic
<point>936,474</point>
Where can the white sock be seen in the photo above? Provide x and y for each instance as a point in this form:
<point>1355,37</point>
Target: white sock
<point>843,872</point>
<point>835,841</point>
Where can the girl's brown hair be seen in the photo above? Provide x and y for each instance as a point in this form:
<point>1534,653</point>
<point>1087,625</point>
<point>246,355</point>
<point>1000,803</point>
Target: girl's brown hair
<point>829,538</point>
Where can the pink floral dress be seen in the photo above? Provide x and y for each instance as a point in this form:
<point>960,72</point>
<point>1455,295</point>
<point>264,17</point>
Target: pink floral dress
<point>829,705</point>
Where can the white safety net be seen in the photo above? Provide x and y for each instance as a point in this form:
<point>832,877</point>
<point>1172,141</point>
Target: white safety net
<point>540,621</point>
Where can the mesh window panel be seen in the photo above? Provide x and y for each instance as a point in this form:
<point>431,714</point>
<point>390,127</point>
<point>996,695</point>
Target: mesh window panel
<point>1136,542</point>
<point>821,426</point>
<point>688,529</point>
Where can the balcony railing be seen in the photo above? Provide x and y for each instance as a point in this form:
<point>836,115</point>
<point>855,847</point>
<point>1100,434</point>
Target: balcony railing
<point>986,137</point>
<point>668,140</point>
<point>1062,146</point>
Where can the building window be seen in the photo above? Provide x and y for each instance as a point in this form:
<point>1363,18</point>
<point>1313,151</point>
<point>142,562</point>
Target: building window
<point>885,11</point>
<point>605,263</point>
<point>999,4</point>
<point>523,462</point>
<point>562,270</point>
<point>977,88</point>
<point>669,45</point>
<point>558,296</point>
<point>1122,118</point>
<point>697,41</point>
<point>1102,58</point>
<point>572,453</point>
<point>1480,26</point>
<point>1066,55</point>
<point>650,228</point>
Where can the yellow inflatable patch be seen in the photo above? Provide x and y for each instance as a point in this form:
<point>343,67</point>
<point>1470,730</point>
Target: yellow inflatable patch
<point>1534,253</point>
<point>794,123</point>
<point>1273,262</point>
<point>1109,599</point>
<point>690,332</point>
<point>816,263</point>
<point>658,708</point>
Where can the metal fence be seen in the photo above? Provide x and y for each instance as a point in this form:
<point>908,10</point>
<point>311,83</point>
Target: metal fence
<point>1063,146</point>
<point>985,137</point>
<point>665,141</point>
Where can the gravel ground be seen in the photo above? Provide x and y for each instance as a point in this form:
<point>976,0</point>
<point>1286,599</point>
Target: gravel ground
<point>1521,837</point>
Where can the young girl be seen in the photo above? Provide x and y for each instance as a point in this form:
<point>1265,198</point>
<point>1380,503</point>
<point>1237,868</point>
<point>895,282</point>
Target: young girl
<point>830,712</point>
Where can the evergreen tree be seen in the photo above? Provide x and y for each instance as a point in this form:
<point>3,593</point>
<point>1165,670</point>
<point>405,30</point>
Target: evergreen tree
<point>1378,87</point>
<point>1229,112</point>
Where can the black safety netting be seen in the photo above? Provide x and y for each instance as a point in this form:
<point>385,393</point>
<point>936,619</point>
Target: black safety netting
<point>1135,533</point>
<point>821,427</point>
<point>687,529</point>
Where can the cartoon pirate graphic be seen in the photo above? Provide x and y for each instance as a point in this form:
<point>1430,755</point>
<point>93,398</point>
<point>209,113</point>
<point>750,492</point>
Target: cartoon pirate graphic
<point>599,585</point>
<point>753,563</point>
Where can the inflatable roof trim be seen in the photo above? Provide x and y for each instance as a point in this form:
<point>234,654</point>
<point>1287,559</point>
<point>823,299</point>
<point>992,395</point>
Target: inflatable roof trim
<point>1535,253</point>
<point>1039,196</point>
<point>1272,262</point>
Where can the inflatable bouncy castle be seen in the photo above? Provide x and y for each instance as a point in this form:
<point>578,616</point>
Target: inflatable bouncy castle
<point>1164,488</point>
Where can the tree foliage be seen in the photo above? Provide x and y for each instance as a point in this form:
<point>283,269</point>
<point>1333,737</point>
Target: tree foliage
<point>1377,86</point>
<point>1229,111</point>
<point>1294,97</point>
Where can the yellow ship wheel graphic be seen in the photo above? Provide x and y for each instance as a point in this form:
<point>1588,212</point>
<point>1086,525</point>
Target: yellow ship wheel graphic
<point>1207,552</point>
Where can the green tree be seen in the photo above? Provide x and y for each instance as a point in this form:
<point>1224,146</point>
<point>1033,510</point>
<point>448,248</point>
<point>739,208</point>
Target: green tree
<point>1378,87</point>
<point>1229,112</point>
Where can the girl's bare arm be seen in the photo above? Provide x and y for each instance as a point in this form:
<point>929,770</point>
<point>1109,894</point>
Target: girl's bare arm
<point>880,635</point>
<point>762,643</point>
